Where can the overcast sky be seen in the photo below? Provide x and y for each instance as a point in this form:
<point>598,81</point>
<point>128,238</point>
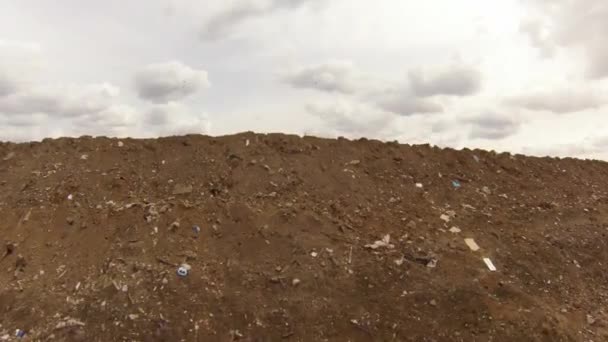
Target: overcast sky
<point>526,76</point>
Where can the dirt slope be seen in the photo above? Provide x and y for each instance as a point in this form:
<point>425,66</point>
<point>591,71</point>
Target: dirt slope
<point>94,230</point>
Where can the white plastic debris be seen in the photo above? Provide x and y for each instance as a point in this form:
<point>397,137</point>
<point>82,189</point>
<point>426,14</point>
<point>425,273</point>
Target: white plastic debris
<point>247,142</point>
<point>385,242</point>
<point>419,185</point>
<point>120,144</point>
<point>455,230</point>
<point>472,244</point>
<point>70,197</point>
<point>490,265</point>
<point>314,254</point>
<point>182,271</point>
<point>84,157</point>
<point>445,217</point>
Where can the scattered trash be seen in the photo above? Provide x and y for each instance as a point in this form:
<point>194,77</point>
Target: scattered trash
<point>314,254</point>
<point>247,142</point>
<point>433,302</point>
<point>385,242</point>
<point>490,265</point>
<point>472,244</point>
<point>19,333</point>
<point>295,282</point>
<point>70,197</point>
<point>120,144</point>
<point>432,263</point>
<point>456,184</point>
<point>196,229</point>
<point>84,157</point>
<point>419,185</point>
<point>486,190</point>
<point>445,217</point>
<point>476,158</point>
<point>183,270</point>
<point>455,230</point>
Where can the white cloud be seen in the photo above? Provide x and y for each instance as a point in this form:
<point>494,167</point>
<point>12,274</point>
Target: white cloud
<point>333,76</point>
<point>563,100</point>
<point>237,12</point>
<point>352,119</point>
<point>174,118</point>
<point>455,80</point>
<point>60,100</point>
<point>164,82</point>
<point>578,24</point>
<point>19,63</point>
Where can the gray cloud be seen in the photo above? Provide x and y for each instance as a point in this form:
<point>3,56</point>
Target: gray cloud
<point>174,119</point>
<point>164,82</point>
<point>492,126</point>
<point>558,101</point>
<point>455,80</point>
<point>352,118</point>
<point>224,22</point>
<point>538,36</point>
<point>334,76</point>
<point>60,100</point>
<point>405,104</point>
<point>575,23</point>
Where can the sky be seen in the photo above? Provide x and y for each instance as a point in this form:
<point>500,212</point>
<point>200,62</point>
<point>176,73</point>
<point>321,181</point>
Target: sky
<point>524,76</point>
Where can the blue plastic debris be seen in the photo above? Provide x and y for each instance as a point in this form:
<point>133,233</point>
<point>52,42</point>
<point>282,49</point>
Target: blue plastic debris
<point>183,270</point>
<point>20,333</point>
<point>456,184</point>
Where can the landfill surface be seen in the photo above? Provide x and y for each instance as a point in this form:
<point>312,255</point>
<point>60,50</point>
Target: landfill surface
<point>255,237</point>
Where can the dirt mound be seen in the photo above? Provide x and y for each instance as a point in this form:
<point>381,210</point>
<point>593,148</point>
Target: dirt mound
<point>298,239</point>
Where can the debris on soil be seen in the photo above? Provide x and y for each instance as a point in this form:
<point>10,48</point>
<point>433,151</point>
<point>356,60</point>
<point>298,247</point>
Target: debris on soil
<point>472,244</point>
<point>385,242</point>
<point>267,207</point>
<point>489,263</point>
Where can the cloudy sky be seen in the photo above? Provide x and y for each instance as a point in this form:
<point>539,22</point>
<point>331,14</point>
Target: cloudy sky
<point>527,76</point>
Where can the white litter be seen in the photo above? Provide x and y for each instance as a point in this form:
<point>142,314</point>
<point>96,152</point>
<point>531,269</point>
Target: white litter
<point>385,242</point>
<point>419,185</point>
<point>314,254</point>
<point>445,217</point>
<point>70,197</point>
<point>490,265</point>
<point>247,142</point>
<point>455,230</point>
<point>472,244</point>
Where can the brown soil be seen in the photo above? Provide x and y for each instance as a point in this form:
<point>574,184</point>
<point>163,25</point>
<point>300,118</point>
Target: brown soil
<point>94,233</point>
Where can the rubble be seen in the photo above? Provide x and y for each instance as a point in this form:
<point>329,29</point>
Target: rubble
<point>286,247</point>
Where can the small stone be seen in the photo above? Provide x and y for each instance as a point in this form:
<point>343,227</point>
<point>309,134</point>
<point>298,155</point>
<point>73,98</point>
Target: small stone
<point>445,217</point>
<point>70,220</point>
<point>174,226</point>
<point>120,144</point>
<point>433,302</point>
<point>181,189</point>
<point>419,185</point>
<point>84,157</point>
<point>295,282</point>
<point>133,317</point>
<point>125,288</point>
<point>314,254</point>
<point>486,190</point>
<point>354,162</point>
<point>411,224</point>
<point>165,281</point>
<point>590,320</point>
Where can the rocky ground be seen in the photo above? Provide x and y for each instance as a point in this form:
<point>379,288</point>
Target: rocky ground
<point>298,239</point>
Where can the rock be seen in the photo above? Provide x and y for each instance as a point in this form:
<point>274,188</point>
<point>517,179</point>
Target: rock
<point>445,218</point>
<point>70,220</point>
<point>9,156</point>
<point>385,242</point>
<point>120,144</point>
<point>174,226</point>
<point>181,189</point>
<point>295,282</point>
<point>20,263</point>
<point>486,190</point>
<point>354,162</point>
<point>133,317</point>
<point>433,302</point>
<point>411,225</point>
<point>590,320</point>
